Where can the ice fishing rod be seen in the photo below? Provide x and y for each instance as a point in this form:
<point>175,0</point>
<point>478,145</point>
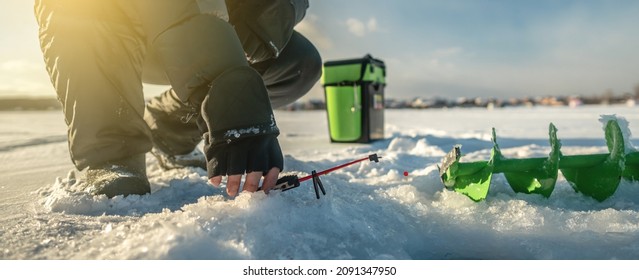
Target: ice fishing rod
<point>292,181</point>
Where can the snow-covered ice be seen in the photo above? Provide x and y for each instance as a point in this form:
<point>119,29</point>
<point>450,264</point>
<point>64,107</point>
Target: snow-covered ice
<point>371,210</point>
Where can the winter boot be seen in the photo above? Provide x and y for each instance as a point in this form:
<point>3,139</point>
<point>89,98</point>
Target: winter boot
<point>193,159</point>
<point>120,177</point>
<point>175,132</point>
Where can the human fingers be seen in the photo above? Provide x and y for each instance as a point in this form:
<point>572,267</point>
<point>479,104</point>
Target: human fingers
<point>270,179</point>
<point>252,181</point>
<point>233,184</point>
<point>216,181</point>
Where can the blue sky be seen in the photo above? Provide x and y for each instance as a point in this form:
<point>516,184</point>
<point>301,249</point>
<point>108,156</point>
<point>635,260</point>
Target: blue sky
<point>432,48</point>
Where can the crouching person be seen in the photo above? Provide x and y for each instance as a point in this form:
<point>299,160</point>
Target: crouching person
<point>288,63</point>
<point>95,51</point>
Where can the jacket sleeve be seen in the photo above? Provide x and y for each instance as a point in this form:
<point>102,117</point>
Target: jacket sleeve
<point>265,26</point>
<point>300,9</point>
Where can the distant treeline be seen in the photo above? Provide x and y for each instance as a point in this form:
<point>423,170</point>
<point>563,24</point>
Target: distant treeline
<point>29,104</point>
<point>44,103</point>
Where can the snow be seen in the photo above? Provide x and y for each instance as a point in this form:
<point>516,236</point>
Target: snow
<point>371,210</point>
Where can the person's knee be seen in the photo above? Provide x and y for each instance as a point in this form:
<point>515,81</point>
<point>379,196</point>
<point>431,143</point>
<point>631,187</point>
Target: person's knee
<point>313,65</point>
<point>309,59</point>
<point>293,73</point>
<point>310,71</point>
<point>196,52</point>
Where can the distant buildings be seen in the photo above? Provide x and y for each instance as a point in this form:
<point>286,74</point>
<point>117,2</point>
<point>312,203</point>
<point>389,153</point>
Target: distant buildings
<point>29,104</point>
<point>490,103</point>
<point>628,99</point>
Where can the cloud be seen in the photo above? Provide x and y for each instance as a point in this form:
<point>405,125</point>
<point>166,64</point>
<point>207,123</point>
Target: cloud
<point>356,27</point>
<point>308,27</point>
<point>361,29</point>
<point>372,25</point>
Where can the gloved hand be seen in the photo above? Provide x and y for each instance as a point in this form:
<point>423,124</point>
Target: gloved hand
<point>256,156</point>
<point>240,131</point>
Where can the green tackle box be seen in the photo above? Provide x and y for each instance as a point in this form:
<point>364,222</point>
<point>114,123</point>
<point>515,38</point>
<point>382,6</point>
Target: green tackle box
<point>354,92</point>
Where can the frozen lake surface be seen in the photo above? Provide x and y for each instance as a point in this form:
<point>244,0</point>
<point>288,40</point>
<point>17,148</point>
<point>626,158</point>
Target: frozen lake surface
<point>371,210</point>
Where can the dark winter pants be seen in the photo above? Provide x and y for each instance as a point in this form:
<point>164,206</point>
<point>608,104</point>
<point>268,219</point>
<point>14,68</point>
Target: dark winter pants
<point>287,78</point>
<point>94,52</point>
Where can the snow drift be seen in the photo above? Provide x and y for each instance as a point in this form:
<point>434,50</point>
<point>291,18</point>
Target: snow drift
<point>371,210</point>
